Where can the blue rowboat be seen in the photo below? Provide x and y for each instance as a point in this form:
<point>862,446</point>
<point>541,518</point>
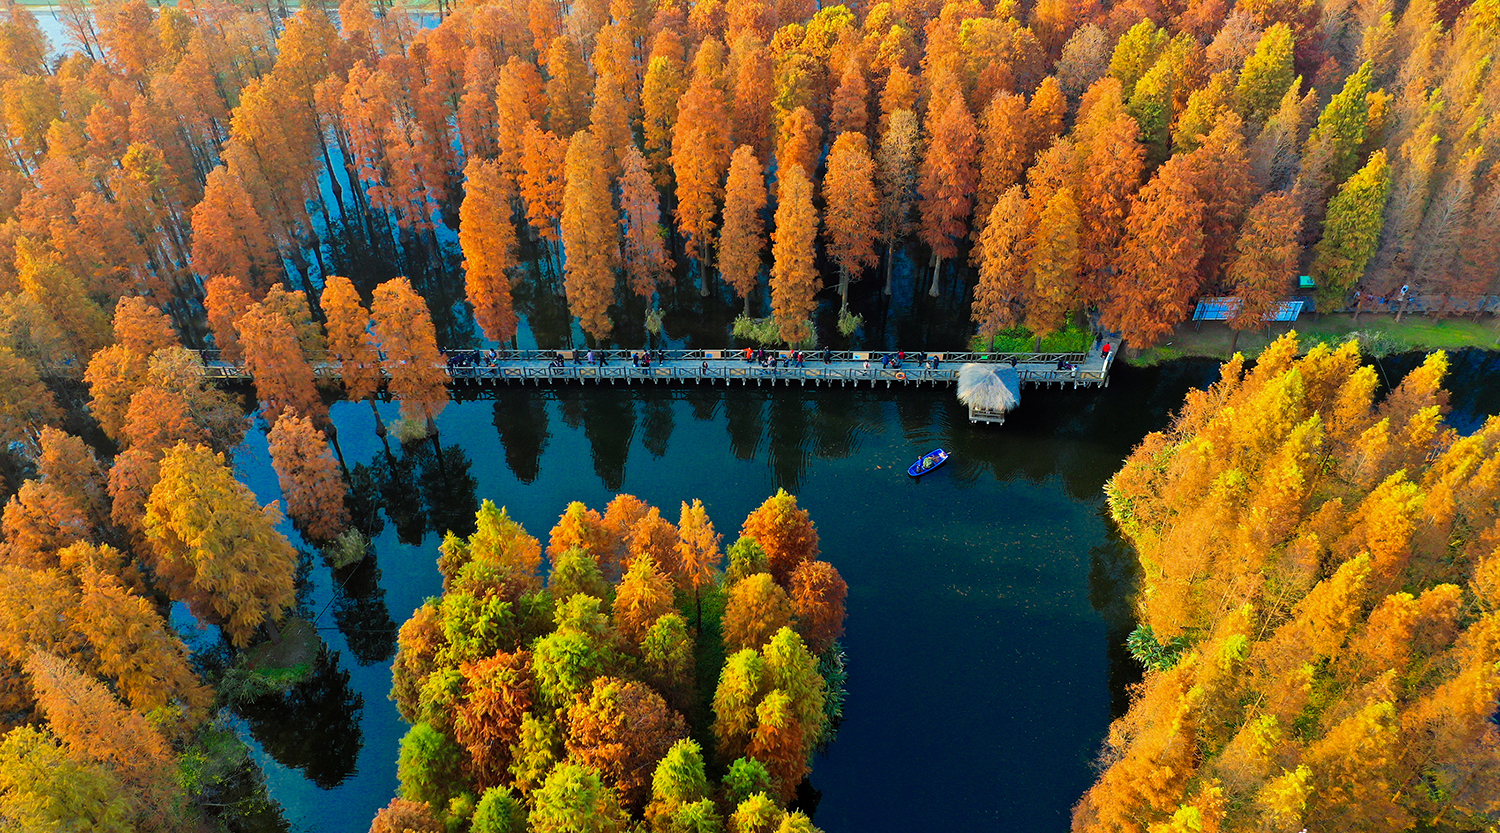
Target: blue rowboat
<point>928,462</point>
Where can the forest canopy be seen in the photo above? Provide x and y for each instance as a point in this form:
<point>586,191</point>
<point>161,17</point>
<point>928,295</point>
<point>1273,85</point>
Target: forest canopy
<point>1318,608</point>
<point>1040,159</point>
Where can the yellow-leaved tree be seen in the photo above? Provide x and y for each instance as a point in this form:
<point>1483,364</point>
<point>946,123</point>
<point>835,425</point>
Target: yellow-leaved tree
<point>216,547</point>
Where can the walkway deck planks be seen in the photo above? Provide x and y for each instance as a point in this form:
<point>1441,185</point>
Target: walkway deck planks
<point>843,367</point>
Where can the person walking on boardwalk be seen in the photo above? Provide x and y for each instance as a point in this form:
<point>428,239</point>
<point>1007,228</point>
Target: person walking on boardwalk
<point>1104,353</point>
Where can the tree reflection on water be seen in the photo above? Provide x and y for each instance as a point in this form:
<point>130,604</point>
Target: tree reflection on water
<point>313,726</point>
<point>521,419</point>
<point>361,613</point>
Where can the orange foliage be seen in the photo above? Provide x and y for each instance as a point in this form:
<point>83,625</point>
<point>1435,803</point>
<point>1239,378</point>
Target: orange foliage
<point>818,594</point>
<point>309,476</point>
<point>349,340</point>
<point>497,692</point>
<point>949,175</point>
<point>488,240</point>
<point>743,237</point>
<point>582,527</point>
<point>622,730</point>
<point>756,610</point>
<point>95,726</point>
<point>794,276</point>
<point>590,236</point>
<point>407,338</point>
<point>644,595</point>
<point>784,531</point>
<point>283,378</point>
<point>225,298</point>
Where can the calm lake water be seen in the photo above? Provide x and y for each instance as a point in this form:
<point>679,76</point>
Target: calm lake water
<point>987,602</point>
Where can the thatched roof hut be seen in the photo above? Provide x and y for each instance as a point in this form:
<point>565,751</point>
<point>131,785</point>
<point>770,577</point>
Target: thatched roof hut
<point>989,391</point>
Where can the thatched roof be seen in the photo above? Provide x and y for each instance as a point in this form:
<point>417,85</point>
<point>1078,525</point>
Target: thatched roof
<point>989,387</point>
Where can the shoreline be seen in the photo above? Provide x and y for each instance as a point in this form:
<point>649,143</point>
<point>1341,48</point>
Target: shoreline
<point>1380,336</point>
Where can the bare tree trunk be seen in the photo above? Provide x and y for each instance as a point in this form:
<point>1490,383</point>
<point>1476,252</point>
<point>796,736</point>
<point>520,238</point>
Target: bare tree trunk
<point>703,272</point>
<point>937,267</point>
<point>1234,343</point>
<point>843,290</point>
<point>890,254</point>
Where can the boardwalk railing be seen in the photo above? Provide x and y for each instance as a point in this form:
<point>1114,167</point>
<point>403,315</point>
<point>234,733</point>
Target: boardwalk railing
<point>840,367</point>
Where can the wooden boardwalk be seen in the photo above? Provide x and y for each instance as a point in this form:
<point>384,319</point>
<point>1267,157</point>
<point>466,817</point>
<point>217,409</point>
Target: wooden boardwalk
<point>841,367</point>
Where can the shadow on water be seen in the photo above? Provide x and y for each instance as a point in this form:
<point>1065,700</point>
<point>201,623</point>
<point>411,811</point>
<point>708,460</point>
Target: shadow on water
<point>361,613</point>
<point>742,419</point>
<point>786,440</point>
<point>609,423</point>
<point>313,726</point>
<point>656,424</point>
<point>422,485</point>
<point>396,476</point>
<point>521,419</point>
<point>448,489</point>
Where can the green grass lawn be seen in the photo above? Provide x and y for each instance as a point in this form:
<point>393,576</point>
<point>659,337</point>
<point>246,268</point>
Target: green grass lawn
<point>1380,335</point>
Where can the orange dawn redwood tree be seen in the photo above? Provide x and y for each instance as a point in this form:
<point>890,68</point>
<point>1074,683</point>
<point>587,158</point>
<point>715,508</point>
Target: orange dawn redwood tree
<point>225,299</point>
<point>404,329</point>
<point>849,220</point>
<point>799,142</point>
<point>948,179</point>
<point>700,155</point>
<point>1003,157</point>
<point>543,175</point>
<point>784,531</point>
<point>818,594</point>
<point>743,236</point>
<point>1054,264</point>
<point>488,241</point>
<point>794,275</point>
<point>646,261</point>
<point>216,546</point>
<point>309,477</point>
<point>1004,255</point>
<point>283,378</point>
<point>229,235</point>
<point>350,341</point>
<point>756,609</point>
<point>1158,260</point>
<point>590,234</point>
<point>1265,259</point>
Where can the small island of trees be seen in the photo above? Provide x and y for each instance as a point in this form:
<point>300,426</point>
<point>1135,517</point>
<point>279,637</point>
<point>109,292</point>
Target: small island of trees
<point>638,683</point>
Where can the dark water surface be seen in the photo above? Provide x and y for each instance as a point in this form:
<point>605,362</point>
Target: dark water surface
<point>988,602</point>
